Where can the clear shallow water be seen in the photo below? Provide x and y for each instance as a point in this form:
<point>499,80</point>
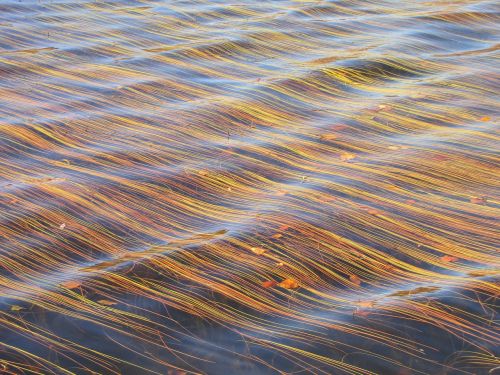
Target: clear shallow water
<point>163,163</point>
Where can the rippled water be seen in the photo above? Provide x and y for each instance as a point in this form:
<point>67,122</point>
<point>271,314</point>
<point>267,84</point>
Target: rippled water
<point>257,187</point>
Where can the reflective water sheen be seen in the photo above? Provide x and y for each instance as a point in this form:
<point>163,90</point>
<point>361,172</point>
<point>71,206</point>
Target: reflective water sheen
<point>250,187</point>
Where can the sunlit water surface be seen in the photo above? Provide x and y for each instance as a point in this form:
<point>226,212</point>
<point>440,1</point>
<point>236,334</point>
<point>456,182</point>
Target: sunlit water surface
<point>250,187</point>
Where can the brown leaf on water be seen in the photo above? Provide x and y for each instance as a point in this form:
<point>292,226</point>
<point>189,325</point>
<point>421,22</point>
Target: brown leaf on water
<point>280,264</point>
<point>355,279</point>
<point>328,137</point>
<point>277,235</point>
<point>363,313</point>
<point>485,118</point>
<point>478,200</point>
<point>269,283</point>
<point>327,198</point>
<point>481,273</point>
<point>339,127</point>
<point>281,192</point>
<point>289,284</point>
<point>387,267</point>
<point>448,258</point>
<point>366,304</point>
<point>440,157</point>
<point>107,302</point>
<point>43,180</point>
<point>373,212</point>
<point>284,227</point>
<point>71,284</point>
<point>258,250</point>
<point>419,290</point>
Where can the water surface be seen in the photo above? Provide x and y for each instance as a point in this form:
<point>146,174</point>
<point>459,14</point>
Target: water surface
<point>251,187</point>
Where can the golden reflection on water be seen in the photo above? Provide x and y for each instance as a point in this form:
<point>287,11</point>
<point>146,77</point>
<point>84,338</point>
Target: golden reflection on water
<point>251,187</point>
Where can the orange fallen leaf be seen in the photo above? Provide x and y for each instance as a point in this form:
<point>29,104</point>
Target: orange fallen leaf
<point>478,200</point>
<point>367,304</point>
<point>289,284</point>
<point>355,279</point>
<point>71,284</point>
<point>269,283</point>
<point>258,250</point>
<point>277,235</point>
<point>346,156</point>
<point>485,118</point>
<point>373,212</point>
<point>284,227</point>
<point>339,127</point>
<point>280,264</point>
<point>440,157</point>
<point>388,267</point>
<point>362,313</point>
<point>203,172</point>
<point>106,302</point>
<point>384,107</point>
<point>327,198</point>
<point>328,137</point>
<point>449,258</point>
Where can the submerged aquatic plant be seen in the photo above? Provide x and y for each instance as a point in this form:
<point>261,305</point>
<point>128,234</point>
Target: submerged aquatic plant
<point>251,188</point>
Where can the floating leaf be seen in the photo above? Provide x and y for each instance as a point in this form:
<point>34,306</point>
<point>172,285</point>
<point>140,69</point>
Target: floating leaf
<point>16,308</point>
<point>258,250</point>
<point>440,157</point>
<point>422,289</point>
<point>485,118</point>
<point>346,156</point>
<point>397,147</point>
<point>328,137</point>
<point>62,226</point>
<point>449,259</point>
<point>384,107</point>
<point>289,284</point>
<point>363,313</point>
<point>284,227</point>
<point>355,279</point>
<point>277,235</point>
<point>366,304</point>
<point>481,273</point>
<point>280,264</point>
<point>281,192</point>
<point>269,283</point>
<point>339,127</point>
<point>71,284</point>
<point>107,302</point>
<point>478,200</point>
<point>373,211</point>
